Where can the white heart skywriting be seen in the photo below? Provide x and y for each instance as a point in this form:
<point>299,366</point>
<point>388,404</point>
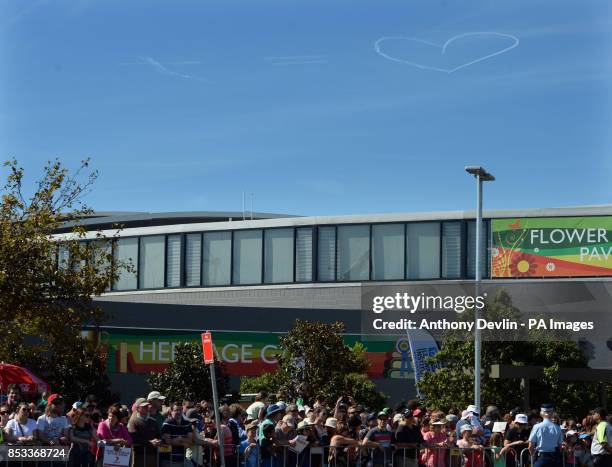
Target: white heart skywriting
<point>443,47</point>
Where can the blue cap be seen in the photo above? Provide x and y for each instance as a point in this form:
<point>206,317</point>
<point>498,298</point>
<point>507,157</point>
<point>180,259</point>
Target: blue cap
<point>585,436</point>
<point>272,409</point>
<point>547,407</point>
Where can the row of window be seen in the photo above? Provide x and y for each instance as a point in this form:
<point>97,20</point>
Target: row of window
<point>398,251</point>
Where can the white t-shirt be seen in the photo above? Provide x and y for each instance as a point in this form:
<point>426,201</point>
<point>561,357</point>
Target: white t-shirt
<point>603,434</point>
<point>21,429</point>
<point>52,427</point>
<point>253,409</point>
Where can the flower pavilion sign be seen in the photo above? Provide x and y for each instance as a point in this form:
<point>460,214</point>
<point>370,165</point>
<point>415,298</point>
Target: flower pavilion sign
<point>552,247</point>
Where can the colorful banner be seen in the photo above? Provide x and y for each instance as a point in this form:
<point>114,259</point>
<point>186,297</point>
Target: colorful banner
<point>244,353</point>
<point>552,247</point>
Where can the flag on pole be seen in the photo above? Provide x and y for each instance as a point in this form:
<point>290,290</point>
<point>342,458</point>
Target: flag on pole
<point>422,347</point>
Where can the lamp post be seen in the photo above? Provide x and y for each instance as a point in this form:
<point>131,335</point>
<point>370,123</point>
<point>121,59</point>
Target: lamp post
<point>481,175</point>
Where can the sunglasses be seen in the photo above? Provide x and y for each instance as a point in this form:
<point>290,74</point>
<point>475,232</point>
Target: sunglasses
<point>4,413</point>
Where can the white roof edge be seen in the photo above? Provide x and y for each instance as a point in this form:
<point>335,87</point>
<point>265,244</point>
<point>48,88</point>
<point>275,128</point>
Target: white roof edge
<point>600,210</point>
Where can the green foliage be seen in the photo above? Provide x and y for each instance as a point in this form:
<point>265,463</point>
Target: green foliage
<point>79,371</point>
<point>187,377</point>
<point>268,382</point>
<point>453,384</point>
<point>43,307</point>
<point>314,360</point>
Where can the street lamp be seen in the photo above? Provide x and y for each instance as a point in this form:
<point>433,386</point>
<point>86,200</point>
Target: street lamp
<point>481,175</point>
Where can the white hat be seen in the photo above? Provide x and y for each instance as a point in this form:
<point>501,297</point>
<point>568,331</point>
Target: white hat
<point>304,424</point>
<point>397,417</point>
<point>331,422</point>
<point>155,395</point>
<point>440,422</point>
<point>570,433</point>
<point>473,409</point>
<point>520,418</point>
<point>466,427</point>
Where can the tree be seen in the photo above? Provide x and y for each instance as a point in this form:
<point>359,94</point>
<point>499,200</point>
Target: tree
<point>46,287</point>
<point>187,377</point>
<point>452,384</point>
<point>313,360</point>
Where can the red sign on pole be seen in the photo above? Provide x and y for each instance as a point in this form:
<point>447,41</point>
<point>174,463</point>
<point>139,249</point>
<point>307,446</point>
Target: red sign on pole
<point>207,348</point>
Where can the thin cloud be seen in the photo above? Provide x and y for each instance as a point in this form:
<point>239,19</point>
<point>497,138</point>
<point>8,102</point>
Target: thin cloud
<point>157,66</point>
<point>297,60</point>
<point>190,62</point>
<point>294,57</point>
<point>304,62</point>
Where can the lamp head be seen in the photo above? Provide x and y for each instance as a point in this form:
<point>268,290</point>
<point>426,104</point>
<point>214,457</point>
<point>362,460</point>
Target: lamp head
<point>480,172</point>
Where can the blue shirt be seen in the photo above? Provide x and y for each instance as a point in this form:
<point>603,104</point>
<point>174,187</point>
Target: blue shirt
<point>250,461</point>
<point>546,436</point>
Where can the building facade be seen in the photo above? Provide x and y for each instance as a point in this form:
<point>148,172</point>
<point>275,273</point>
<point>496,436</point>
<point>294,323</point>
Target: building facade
<point>247,281</point>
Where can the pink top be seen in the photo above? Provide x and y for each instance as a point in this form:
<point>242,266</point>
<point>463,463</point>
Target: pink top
<point>120,431</point>
<point>435,456</point>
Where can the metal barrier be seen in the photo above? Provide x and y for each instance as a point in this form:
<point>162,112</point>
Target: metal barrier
<point>270,455</point>
<point>522,457</point>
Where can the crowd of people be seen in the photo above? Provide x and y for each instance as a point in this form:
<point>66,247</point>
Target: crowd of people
<point>274,432</point>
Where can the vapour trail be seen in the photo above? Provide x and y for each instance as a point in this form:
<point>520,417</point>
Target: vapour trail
<point>443,47</point>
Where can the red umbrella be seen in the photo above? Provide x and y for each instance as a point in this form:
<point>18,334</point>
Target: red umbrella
<point>29,383</point>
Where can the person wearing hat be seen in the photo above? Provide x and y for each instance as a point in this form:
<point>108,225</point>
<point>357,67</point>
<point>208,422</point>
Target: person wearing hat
<point>436,437</point>
<point>601,446</point>
<point>408,438</point>
<point>545,440</point>
<point>285,431</point>
<point>517,437</point>
<point>52,427</point>
<point>473,449</point>
<point>329,431</point>
<point>145,433</point>
<point>75,406</point>
<point>273,415</point>
<point>156,400</point>
<point>249,449</point>
<point>379,438</point>
<point>470,417</point>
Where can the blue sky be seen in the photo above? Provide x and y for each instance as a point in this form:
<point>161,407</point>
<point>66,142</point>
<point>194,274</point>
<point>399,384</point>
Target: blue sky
<point>184,105</point>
